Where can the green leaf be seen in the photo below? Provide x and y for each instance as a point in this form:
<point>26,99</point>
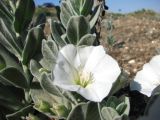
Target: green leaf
<point>8,94</point>
<point>34,68</point>
<point>121,108</point>
<point>18,114</point>
<point>2,63</point>
<point>39,95</point>
<point>4,12</point>
<point>121,82</point>
<point>77,27</point>
<point>49,52</point>
<point>87,39</point>
<point>109,113</point>
<point>95,16</point>
<point>113,102</point>
<point>11,98</point>
<point>9,59</point>
<point>33,44</point>
<point>85,111</point>
<point>47,85</point>
<point>7,39</point>
<point>127,102</point>
<point>87,7</point>
<point>81,7</point>
<point>11,106</point>
<point>14,77</point>
<point>121,105</point>
<point>23,15</point>
<point>66,13</point>
<point>57,30</point>
<point>75,6</point>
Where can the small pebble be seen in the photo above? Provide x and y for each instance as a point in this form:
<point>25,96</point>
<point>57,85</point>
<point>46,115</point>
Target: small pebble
<point>131,62</point>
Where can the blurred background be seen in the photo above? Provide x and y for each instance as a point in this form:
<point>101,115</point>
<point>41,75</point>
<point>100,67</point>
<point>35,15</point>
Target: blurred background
<point>134,33</point>
<point>122,6</point>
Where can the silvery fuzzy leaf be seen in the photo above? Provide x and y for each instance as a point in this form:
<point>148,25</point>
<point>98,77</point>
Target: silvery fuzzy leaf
<point>57,30</point>
<point>47,84</point>
<point>23,15</point>
<point>66,13</point>
<point>87,39</point>
<point>77,27</point>
<point>35,69</point>
<point>8,59</point>
<point>33,44</point>
<point>109,113</point>
<point>18,114</point>
<point>7,39</point>
<point>5,13</point>
<point>95,16</point>
<point>85,111</point>
<point>121,82</point>
<point>39,95</point>
<point>87,6</point>
<point>15,77</point>
<point>49,52</point>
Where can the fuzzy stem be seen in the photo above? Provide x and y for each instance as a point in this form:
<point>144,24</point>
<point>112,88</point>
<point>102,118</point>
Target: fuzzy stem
<point>99,110</point>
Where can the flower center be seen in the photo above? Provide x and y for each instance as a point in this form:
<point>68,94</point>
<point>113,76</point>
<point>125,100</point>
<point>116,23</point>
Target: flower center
<point>84,79</point>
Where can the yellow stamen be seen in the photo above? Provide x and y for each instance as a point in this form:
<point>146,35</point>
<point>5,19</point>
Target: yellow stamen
<point>84,79</point>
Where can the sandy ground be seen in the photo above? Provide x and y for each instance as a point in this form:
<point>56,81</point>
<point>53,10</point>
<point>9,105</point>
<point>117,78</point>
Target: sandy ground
<point>137,40</point>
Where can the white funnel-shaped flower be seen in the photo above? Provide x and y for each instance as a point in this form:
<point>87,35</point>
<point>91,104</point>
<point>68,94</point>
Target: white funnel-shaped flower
<point>88,71</point>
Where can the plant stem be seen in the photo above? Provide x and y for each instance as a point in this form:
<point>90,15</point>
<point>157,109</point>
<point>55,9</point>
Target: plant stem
<point>99,110</point>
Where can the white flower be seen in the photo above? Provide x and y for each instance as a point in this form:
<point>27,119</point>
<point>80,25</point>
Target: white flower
<point>86,70</point>
<point>148,78</point>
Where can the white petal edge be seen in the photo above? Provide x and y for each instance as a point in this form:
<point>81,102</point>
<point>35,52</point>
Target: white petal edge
<point>105,73</point>
<point>148,78</point>
<point>95,58</point>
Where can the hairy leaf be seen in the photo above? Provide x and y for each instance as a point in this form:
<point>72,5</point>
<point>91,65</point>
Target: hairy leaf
<point>77,27</point>
<point>23,15</point>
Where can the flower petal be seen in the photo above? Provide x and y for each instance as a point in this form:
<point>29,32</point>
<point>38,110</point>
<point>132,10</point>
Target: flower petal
<point>95,58</point>
<point>95,92</point>
<point>105,71</point>
<point>107,68</point>
<point>70,54</point>
<point>84,53</point>
<point>155,64</point>
<point>64,74</point>
<point>148,78</point>
<point>105,74</point>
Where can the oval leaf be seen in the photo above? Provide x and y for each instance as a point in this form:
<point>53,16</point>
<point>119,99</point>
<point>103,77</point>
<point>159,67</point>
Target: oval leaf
<point>109,113</point>
<point>87,39</point>
<point>47,85</point>
<point>65,14</point>
<point>33,44</point>
<point>15,77</point>
<point>57,31</point>
<point>87,7</point>
<point>77,27</point>
<point>85,111</point>
<point>23,15</point>
<point>34,68</point>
